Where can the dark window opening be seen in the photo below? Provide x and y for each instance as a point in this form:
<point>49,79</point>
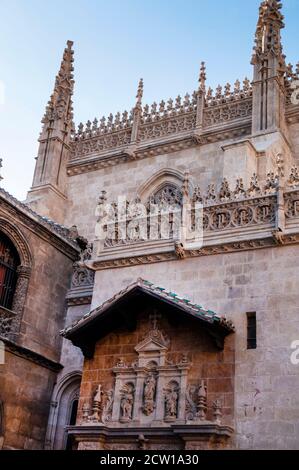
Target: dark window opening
<point>72,422</point>
<point>251,330</point>
<point>9,261</point>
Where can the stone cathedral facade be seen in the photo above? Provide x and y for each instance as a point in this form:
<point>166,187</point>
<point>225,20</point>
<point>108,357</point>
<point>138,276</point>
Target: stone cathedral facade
<point>142,343</point>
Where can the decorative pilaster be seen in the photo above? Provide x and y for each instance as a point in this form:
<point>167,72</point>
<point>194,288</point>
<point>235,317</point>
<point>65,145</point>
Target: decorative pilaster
<point>20,297</point>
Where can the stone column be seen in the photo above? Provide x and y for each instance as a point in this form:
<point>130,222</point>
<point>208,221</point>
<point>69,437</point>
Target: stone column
<point>20,297</point>
<point>140,377</point>
<point>116,402</point>
<point>160,397</point>
<point>182,397</point>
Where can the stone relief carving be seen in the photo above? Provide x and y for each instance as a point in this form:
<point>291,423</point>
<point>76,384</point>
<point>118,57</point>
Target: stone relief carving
<point>82,276</point>
<point>153,389</point>
<point>149,394</point>
<point>228,112</point>
<point>167,127</point>
<point>190,402</point>
<point>222,210</point>
<point>127,401</point>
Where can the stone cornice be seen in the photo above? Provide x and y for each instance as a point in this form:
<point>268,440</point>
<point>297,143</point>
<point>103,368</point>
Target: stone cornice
<point>48,230</point>
<point>30,355</point>
<point>268,241</point>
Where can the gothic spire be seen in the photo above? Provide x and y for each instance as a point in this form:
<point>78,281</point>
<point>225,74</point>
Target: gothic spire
<point>202,77</point>
<point>268,30</point>
<point>60,106</point>
<point>139,94</point>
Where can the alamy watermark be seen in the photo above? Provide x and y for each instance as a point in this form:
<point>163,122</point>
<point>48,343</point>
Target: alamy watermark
<point>295,354</point>
<point>124,222</point>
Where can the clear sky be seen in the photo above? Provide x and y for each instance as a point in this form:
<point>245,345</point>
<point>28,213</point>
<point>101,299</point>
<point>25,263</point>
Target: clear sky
<point>116,42</point>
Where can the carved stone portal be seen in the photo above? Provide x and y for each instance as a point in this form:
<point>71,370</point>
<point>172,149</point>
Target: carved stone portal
<point>152,391</point>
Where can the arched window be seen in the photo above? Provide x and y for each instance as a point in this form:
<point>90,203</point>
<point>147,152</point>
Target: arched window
<point>9,262</point>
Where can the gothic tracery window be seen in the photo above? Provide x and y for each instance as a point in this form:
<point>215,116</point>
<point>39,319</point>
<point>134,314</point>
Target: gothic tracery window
<point>169,194</point>
<point>9,261</point>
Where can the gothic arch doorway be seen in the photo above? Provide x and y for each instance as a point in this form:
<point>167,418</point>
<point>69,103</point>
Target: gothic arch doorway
<point>63,411</point>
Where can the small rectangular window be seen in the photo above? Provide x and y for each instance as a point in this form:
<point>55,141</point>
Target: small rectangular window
<point>251,330</point>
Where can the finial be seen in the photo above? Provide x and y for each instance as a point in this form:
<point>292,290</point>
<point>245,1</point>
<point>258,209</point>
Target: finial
<point>202,77</point>
<point>139,93</point>
<point>270,22</point>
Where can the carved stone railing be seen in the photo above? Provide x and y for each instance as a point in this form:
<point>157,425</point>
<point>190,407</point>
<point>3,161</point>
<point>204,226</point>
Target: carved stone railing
<point>264,215</point>
<point>177,117</point>
<point>222,210</point>
<point>7,323</point>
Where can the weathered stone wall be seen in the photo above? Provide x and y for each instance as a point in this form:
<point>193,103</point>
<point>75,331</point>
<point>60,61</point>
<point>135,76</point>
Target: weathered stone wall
<point>261,281</point>
<point>26,387</point>
<point>45,305</point>
<point>25,392</point>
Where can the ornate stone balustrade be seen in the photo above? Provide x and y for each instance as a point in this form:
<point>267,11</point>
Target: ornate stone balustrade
<point>260,216</point>
<point>177,117</point>
<point>7,323</point>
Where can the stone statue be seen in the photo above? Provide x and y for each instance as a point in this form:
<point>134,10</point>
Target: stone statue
<point>149,394</point>
<point>171,402</point>
<point>127,402</point>
<point>107,410</point>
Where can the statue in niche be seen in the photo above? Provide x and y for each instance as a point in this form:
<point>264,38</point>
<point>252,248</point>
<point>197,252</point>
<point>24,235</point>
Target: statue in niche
<point>107,410</point>
<point>127,401</point>
<point>149,394</point>
<point>171,401</point>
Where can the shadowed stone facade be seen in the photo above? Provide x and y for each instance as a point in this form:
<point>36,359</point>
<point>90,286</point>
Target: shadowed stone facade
<point>160,369</point>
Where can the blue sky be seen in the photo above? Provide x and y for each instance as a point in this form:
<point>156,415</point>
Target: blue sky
<point>116,43</point>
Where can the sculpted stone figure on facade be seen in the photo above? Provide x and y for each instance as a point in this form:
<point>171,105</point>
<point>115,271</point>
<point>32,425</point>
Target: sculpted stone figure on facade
<point>149,394</point>
<point>127,401</point>
<point>171,398</point>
